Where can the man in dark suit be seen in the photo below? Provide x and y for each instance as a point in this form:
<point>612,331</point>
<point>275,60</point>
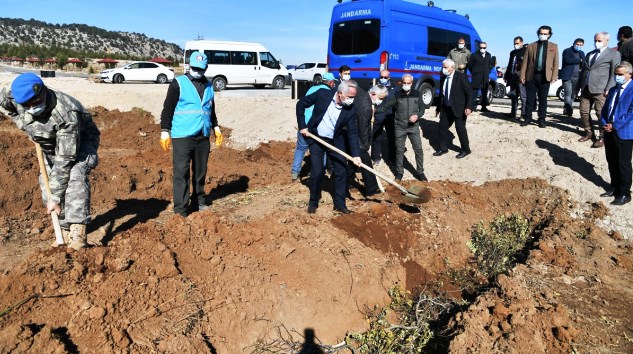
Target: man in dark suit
<point>569,72</point>
<point>512,77</point>
<point>479,65</point>
<point>539,69</point>
<point>454,106</point>
<point>617,120</point>
<point>333,116</point>
<point>596,79</point>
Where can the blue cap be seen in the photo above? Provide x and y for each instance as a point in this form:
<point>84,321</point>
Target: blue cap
<point>25,87</point>
<point>328,77</point>
<point>198,60</point>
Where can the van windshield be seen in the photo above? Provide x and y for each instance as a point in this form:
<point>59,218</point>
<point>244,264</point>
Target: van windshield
<point>356,37</point>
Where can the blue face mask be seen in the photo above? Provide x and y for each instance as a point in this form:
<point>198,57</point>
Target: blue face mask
<point>619,79</point>
<point>577,48</point>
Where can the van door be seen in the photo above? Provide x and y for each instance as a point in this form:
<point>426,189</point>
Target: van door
<point>269,68</point>
<point>244,67</point>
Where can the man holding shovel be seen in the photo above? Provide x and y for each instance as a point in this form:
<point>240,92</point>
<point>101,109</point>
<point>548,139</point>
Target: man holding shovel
<point>69,140</point>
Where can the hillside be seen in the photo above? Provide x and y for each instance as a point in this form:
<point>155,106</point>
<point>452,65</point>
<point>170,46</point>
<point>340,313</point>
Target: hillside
<point>94,41</point>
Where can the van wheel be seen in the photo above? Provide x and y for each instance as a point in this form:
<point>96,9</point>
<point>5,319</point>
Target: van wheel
<point>161,79</point>
<point>118,78</point>
<point>219,84</point>
<point>279,82</point>
<point>426,90</point>
<point>317,79</point>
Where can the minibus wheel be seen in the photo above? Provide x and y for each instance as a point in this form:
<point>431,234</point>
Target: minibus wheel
<point>279,82</point>
<point>219,83</point>
<point>426,90</point>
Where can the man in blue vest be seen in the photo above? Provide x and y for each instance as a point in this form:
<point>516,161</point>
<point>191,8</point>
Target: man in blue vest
<point>186,122</point>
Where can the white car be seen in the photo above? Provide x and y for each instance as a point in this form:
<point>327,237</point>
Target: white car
<point>555,89</point>
<point>309,71</point>
<point>139,71</point>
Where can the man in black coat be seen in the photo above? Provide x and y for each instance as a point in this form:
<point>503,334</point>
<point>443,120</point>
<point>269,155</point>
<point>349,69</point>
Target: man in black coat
<point>512,77</point>
<point>454,106</point>
<point>480,64</point>
<point>569,72</point>
<point>333,116</point>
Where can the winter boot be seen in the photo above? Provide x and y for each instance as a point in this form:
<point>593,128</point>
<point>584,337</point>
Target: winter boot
<point>78,237</point>
<point>65,236</point>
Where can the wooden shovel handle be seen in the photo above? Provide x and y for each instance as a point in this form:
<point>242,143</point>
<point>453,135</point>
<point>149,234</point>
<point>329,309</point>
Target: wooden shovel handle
<point>58,229</point>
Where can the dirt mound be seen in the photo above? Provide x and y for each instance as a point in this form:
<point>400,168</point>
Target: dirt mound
<point>227,278</point>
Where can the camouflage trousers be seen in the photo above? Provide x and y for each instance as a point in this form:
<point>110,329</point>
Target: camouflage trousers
<point>75,203</point>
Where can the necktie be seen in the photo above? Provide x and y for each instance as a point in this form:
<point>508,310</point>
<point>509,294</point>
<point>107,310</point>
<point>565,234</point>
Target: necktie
<point>593,59</point>
<point>615,103</point>
<point>446,93</point>
<point>539,58</point>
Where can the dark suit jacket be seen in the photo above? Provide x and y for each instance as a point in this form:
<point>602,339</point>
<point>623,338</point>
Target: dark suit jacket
<point>551,62</point>
<point>571,60</point>
<point>623,115</point>
<point>346,123</point>
<point>460,96</point>
<point>479,67</point>
<point>513,78</point>
<point>363,104</point>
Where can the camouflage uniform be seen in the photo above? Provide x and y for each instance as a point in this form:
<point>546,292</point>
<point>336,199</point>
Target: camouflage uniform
<point>69,139</point>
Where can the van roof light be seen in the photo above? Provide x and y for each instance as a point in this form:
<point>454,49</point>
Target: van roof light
<point>453,11</point>
<point>467,16</point>
<point>430,4</point>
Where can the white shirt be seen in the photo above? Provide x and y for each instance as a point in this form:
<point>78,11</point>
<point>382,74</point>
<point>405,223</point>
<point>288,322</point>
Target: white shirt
<point>326,127</point>
<point>447,94</point>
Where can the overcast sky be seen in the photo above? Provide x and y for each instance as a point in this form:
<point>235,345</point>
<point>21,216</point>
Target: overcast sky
<point>296,31</point>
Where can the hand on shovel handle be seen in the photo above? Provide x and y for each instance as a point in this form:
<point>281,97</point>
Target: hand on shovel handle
<point>50,206</point>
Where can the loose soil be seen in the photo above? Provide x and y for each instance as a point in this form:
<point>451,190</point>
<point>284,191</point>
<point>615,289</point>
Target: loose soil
<point>222,280</point>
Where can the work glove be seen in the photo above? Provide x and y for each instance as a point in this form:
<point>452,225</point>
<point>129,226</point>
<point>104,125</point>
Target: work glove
<point>218,136</point>
<point>165,140</point>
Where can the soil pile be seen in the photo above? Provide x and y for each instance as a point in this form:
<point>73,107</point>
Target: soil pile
<point>227,278</point>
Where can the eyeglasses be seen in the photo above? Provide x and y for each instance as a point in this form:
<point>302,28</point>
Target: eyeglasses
<point>482,47</point>
<point>543,34</point>
<point>384,77</point>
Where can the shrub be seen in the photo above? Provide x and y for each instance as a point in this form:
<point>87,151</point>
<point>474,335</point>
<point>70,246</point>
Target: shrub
<point>495,248</point>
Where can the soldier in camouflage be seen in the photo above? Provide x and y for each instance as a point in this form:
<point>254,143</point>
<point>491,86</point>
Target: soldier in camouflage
<point>69,139</point>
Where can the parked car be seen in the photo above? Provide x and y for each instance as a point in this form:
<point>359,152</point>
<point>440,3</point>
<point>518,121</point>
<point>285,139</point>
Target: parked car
<point>290,67</point>
<point>139,71</point>
<point>309,71</point>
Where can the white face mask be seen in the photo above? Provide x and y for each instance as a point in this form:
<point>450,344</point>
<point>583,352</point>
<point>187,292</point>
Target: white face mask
<point>619,79</point>
<point>377,101</point>
<point>346,77</point>
<point>406,87</point>
<point>543,37</point>
<point>36,110</point>
<point>599,45</point>
<point>384,81</point>
<point>517,46</point>
<point>348,101</point>
<point>482,51</point>
<point>196,74</point>
<point>446,72</point>
<point>461,46</point>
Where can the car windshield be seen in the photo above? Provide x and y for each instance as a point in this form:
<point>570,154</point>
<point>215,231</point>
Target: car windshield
<point>356,37</point>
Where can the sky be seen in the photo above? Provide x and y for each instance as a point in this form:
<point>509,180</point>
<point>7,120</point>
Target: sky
<point>296,31</point>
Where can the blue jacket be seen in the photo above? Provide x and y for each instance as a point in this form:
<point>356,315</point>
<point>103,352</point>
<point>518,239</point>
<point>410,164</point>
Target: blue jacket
<point>192,115</point>
<point>623,116</point>
<point>571,59</point>
<point>346,123</point>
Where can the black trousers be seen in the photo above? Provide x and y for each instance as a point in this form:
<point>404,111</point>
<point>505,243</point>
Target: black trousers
<point>190,154</point>
<point>447,118</point>
<point>618,153</point>
<point>369,179</point>
<point>378,135</point>
<point>317,172</point>
<point>484,96</point>
<point>537,87</point>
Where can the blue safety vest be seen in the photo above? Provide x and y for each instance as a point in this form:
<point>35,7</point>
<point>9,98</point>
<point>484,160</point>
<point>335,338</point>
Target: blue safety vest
<point>192,115</point>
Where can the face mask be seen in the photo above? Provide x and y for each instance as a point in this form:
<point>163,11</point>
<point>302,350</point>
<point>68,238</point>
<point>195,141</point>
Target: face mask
<point>446,72</point>
<point>517,46</point>
<point>384,81</point>
<point>461,46</point>
<point>543,37</point>
<point>346,77</point>
<point>377,101</point>
<point>619,79</point>
<point>482,51</point>
<point>577,47</point>
<point>196,73</point>
<point>36,110</point>
<point>348,101</point>
<point>599,45</point>
<point>406,87</point>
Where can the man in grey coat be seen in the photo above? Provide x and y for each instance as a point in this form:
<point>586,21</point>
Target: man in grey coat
<point>596,78</point>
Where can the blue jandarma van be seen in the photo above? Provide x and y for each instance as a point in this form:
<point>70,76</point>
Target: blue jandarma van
<point>398,35</point>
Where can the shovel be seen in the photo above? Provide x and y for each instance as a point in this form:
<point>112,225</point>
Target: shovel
<point>410,196</point>
<point>59,239</point>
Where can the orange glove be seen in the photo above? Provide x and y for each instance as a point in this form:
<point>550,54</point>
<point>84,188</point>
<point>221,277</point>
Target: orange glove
<point>165,140</point>
<point>218,136</point>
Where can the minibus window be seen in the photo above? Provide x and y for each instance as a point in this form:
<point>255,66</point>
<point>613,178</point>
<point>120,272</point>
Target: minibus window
<point>441,41</point>
<point>268,60</point>
<point>356,37</point>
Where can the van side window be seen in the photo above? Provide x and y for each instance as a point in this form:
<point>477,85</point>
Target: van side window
<point>441,41</point>
<point>244,58</point>
<point>218,56</point>
<point>188,53</point>
<point>356,37</point>
<point>268,60</point>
